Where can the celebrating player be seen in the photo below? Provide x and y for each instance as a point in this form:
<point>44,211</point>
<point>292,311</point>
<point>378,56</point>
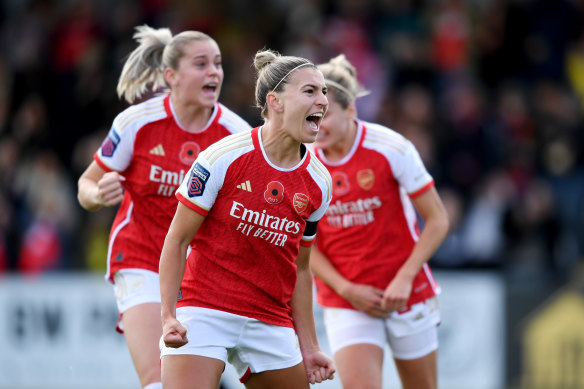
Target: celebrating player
<point>370,261</point>
<point>251,201</point>
<point>141,163</point>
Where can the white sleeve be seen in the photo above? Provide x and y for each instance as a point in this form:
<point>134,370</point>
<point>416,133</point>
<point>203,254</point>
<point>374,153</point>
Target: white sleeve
<point>409,170</point>
<point>201,186</point>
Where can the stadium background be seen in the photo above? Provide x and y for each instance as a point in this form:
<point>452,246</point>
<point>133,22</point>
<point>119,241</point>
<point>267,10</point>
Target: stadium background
<point>491,92</point>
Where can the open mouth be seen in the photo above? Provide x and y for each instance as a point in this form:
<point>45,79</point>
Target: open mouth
<point>212,87</point>
<point>315,119</point>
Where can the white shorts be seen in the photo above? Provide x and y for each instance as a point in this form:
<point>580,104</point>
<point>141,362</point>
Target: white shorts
<point>250,345</point>
<point>134,287</point>
<point>410,335</point>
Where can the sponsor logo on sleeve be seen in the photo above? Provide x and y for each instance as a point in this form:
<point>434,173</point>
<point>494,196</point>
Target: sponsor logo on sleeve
<point>300,202</point>
<point>274,193</point>
<point>198,180</point>
<point>110,144</point>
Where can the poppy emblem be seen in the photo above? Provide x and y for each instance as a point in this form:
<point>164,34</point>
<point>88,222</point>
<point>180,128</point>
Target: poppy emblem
<point>189,152</point>
<point>274,193</point>
<point>366,178</point>
<point>340,183</point>
<point>300,202</point>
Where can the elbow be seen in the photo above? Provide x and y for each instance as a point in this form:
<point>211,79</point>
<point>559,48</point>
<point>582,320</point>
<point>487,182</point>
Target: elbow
<point>444,225</point>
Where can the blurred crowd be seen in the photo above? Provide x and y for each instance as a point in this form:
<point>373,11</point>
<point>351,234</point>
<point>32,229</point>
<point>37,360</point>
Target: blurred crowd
<point>491,92</point>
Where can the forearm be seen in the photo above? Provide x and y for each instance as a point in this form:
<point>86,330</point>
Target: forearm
<point>429,241</point>
<point>302,313</point>
<point>171,271</point>
<point>88,194</point>
<point>323,268</point>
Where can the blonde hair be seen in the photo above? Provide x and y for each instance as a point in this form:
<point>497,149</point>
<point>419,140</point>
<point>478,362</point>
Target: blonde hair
<point>340,77</point>
<point>157,50</point>
<point>273,73</point>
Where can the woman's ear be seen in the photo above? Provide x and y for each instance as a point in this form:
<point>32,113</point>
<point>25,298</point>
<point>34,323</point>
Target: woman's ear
<point>274,102</point>
<point>170,76</point>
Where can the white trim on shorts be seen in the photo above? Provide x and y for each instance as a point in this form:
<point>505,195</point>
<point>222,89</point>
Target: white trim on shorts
<point>250,345</point>
<point>410,335</point>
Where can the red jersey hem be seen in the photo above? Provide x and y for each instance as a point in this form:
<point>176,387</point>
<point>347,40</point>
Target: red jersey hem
<point>101,164</point>
<point>191,205</point>
<point>422,189</point>
<point>277,321</point>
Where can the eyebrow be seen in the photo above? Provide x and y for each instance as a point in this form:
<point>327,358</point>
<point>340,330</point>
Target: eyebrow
<point>313,86</point>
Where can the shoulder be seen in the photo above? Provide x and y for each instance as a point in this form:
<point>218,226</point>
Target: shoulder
<point>384,139</point>
<point>137,116</point>
<point>230,147</point>
<point>232,121</point>
<point>320,174</point>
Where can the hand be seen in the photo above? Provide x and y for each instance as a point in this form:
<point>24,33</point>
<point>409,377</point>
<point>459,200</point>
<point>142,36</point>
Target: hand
<point>109,189</point>
<point>396,295</point>
<point>319,366</point>
<point>174,334</point>
<point>366,299</point>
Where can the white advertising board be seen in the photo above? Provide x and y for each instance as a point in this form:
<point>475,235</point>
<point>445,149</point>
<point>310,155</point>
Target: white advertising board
<point>57,332</point>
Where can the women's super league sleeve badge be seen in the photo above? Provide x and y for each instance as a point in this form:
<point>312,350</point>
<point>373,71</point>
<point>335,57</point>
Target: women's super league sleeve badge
<point>199,177</point>
<point>110,143</point>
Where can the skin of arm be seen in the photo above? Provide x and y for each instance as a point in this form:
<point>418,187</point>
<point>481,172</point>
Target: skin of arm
<point>430,207</point>
<point>319,366</point>
<point>183,228</point>
<point>96,188</point>
<point>363,297</point>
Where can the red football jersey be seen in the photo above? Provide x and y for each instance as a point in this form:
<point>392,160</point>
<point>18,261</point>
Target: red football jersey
<point>243,257</point>
<point>150,149</point>
<point>370,227</point>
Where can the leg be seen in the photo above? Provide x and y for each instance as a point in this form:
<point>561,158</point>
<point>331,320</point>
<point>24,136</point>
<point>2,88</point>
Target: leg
<point>359,366</point>
<point>420,373</point>
<point>191,371</point>
<point>143,329</point>
<point>290,378</point>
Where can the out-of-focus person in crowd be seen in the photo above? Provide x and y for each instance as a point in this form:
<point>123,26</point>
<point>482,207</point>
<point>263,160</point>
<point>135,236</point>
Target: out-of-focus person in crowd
<point>370,263</point>
<point>251,202</point>
<point>144,158</point>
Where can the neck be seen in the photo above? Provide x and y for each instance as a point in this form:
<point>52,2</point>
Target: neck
<point>190,117</point>
<point>281,149</point>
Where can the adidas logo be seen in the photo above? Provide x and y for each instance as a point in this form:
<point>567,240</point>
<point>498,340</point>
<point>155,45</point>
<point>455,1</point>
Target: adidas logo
<point>245,186</point>
<point>158,150</point>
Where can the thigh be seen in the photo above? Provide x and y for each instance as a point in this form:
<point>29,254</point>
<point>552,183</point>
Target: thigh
<point>357,341</point>
<point>289,378</point>
<point>191,372</point>
<point>360,366</point>
<point>419,373</point>
<point>143,330</point>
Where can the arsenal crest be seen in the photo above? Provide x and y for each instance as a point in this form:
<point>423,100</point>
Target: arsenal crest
<point>300,202</point>
<point>366,178</point>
